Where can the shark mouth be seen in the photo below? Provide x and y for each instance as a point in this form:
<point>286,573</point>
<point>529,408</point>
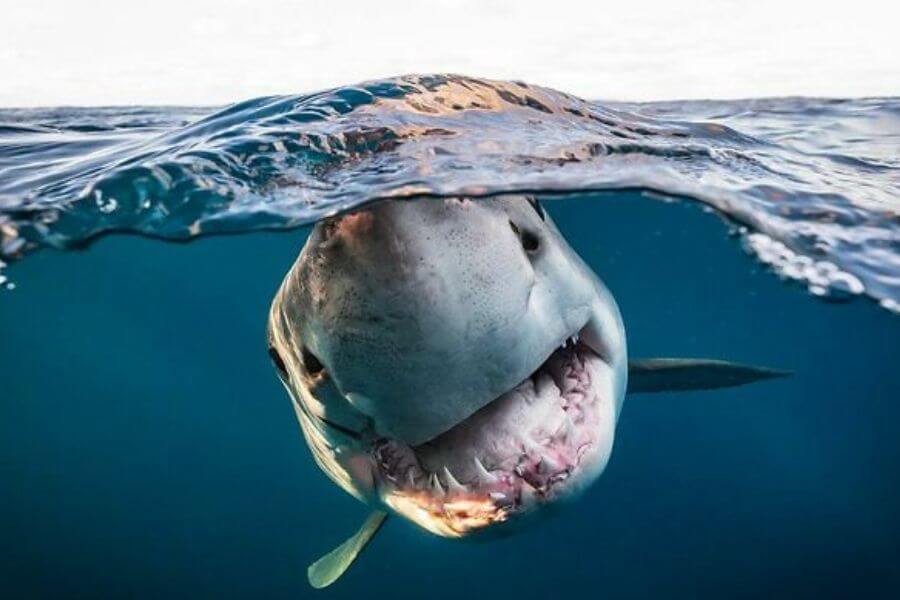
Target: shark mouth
<point>545,439</point>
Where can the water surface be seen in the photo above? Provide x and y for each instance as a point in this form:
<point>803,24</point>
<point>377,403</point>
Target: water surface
<point>148,450</point>
<point>815,181</point>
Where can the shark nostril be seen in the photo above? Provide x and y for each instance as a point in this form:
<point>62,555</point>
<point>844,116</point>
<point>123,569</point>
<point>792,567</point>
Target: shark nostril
<point>313,365</point>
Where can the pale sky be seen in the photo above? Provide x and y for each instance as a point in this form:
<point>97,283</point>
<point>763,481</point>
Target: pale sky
<point>103,52</point>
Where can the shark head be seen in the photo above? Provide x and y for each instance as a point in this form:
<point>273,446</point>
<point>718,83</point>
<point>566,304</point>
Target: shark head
<point>452,361</point>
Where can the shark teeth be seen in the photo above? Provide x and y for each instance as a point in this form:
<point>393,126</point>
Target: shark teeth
<point>483,474</point>
<point>571,341</point>
<point>549,464</point>
<point>436,486</point>
<point>452,484</point>
<point>562,403</point>
<point>568,429</point>
<point>546,463</point>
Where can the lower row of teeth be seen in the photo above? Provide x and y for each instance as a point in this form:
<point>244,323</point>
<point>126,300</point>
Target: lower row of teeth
<point>444,483</point>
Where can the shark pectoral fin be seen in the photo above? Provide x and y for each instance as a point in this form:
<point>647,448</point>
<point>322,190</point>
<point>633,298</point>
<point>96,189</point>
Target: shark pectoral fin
<point>683,374</point>
<point>327,569</point>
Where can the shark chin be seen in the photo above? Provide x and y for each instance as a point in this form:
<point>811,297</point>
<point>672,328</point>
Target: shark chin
<point>455,363</point>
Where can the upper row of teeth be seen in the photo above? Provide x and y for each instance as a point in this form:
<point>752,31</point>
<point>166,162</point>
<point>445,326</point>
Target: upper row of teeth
<point>571,341</point>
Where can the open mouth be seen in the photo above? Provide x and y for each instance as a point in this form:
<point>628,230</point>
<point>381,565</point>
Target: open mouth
<point>540,441</point>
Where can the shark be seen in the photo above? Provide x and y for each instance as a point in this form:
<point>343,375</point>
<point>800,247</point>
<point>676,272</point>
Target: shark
<point>454,362</point>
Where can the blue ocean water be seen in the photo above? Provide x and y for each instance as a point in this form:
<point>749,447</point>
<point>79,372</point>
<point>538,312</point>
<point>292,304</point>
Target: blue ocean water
<point>148,450</point>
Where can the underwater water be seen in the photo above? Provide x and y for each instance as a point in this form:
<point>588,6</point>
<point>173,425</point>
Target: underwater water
<point>147,448</point>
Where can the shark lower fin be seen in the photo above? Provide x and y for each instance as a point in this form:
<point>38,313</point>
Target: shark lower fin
<point>683,374</point>
<point>330,567</point>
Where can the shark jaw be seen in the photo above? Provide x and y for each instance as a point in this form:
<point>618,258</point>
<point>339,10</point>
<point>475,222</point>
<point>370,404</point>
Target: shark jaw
<point>542,441</point>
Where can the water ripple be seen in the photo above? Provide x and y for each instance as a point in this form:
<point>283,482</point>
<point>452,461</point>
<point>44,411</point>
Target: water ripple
<point>813,182</point>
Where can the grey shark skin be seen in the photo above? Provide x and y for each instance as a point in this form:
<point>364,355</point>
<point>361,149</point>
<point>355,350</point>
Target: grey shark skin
<point>456,363</point>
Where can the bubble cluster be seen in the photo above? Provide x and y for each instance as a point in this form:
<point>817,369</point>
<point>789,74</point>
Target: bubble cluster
<point>823,278</point>
<point>4,280</point>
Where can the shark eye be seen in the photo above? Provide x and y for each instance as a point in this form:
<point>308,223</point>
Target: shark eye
<point>537,208</point>
<point>278,362</point>
<point>530,241</point>
<point>313,365</point>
